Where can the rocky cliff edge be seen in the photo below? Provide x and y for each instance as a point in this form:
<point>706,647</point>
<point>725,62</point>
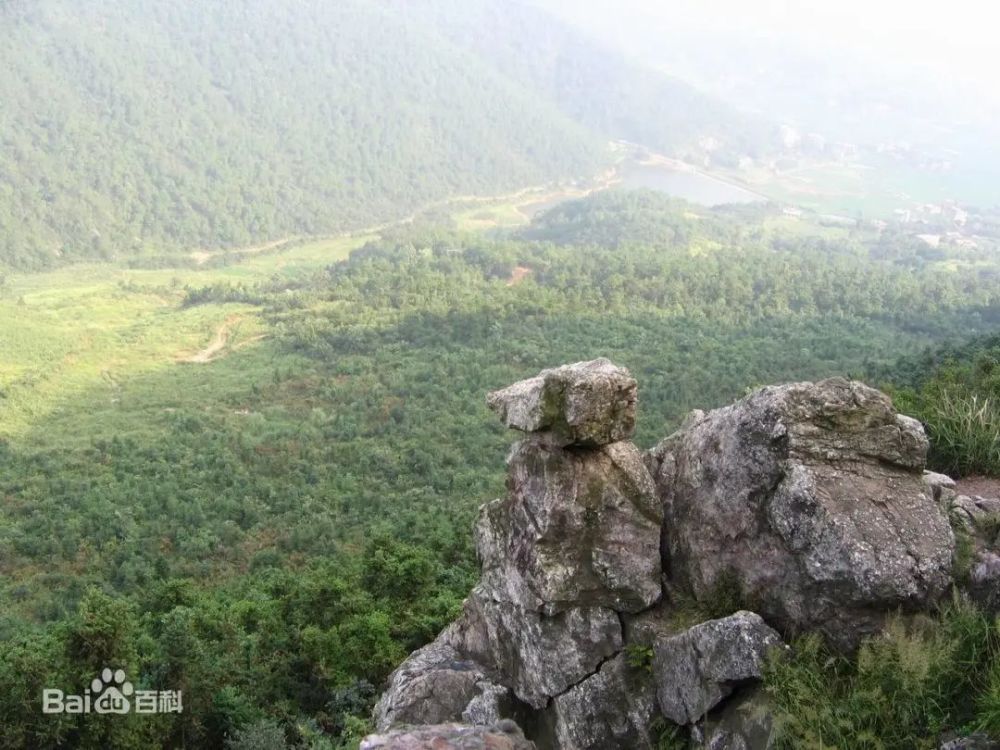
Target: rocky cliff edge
<point>804,507</point>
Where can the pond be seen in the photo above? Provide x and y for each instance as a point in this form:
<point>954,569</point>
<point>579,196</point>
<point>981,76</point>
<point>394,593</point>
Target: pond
<point>693,186</point>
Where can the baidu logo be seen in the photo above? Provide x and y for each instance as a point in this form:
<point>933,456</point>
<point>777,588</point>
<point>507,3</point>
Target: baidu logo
<point>111,693</point>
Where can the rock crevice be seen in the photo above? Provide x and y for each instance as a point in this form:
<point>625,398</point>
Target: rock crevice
<point>807,500</point>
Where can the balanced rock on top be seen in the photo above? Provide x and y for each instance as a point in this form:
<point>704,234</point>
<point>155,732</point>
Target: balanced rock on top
<point>586,403</point>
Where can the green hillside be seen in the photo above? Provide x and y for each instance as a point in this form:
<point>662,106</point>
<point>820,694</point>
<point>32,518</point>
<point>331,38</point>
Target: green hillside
<point>612,95</point>
<point>144,129</point>
<point>130,128</point>
<point>269,525</point>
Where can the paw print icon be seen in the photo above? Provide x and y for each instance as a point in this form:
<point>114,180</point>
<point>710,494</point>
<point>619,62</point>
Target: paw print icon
<point>112,691</point>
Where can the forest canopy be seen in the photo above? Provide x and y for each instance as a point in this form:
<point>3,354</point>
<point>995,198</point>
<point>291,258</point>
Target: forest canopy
<point>276,547</point>
<point>145,129</point>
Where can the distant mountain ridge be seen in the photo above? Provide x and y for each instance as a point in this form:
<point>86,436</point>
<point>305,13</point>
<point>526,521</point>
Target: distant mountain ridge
<point>133,129</point>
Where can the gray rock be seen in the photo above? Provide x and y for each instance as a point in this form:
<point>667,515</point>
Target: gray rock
<point>812,497</point>
<point>542,656</point>
<point>974,515</point>
<point>964,511</point>
<point>942,486</point>
<point>587,403</point>
<point>744,722</point>
<point>469,635</point>
<point>491,705</point>
<point>694,670</point>
<point>984,581</point>
<point>611,710</point>
<point>972,742</point>
<point>579,528</point>
<point>504,736</point>
<point>988,506</point>
<point>435,685</point>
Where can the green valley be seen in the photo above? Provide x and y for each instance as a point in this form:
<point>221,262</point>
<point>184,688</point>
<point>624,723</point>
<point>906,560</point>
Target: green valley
<point>262,260</point>
<point>236,512</point>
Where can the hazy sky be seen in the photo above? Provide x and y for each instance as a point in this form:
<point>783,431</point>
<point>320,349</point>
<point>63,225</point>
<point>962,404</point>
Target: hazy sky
<point>960,36</point>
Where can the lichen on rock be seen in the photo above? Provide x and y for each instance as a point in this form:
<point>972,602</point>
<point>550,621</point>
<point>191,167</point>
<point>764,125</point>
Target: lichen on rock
<point>812,496</point>
<point>808,498</point>
<point>587,403</point>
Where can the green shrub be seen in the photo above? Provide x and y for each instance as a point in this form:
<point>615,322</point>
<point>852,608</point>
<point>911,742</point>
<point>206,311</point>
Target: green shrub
<point>989,527</point>
<point>265,734</point>
<point>922,677</point>
<point>668,736</point>
<point>964,430</point>
<point>639,657</point>
<point>965,552</point>
<point>988,703</point>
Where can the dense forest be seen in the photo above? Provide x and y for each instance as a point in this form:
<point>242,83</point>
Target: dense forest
<point>150,128</point>
<point>262,260</point>
<point>275,552</point>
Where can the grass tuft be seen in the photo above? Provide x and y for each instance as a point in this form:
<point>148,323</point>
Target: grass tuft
<point>905,688</point>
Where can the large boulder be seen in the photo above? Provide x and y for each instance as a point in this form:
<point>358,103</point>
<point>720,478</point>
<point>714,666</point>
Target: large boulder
<point>696,669</point>
<point>614,709</point>
<point>541,656</point>
<point>436,684</point>
<point>578,528</point>
<point>587,403</point>
<point>504,736</point>
<point>810,496</point>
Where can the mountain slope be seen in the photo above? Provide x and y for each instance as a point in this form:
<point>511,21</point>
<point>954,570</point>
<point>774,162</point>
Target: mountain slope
<point>143,128</point>
<point>132,126</point>
<point>590,82</point>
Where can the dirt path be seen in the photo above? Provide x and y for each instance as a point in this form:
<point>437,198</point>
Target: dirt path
<point>201,257</point>
<point>523,197</point>
<point>979,487</point>
<point>519,274</point>
<point>217,344</point>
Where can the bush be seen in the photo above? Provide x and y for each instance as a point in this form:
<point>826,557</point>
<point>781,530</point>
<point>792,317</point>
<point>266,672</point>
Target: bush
<point>262,735</point>
<point>902,691</point>
<point>964,429</point>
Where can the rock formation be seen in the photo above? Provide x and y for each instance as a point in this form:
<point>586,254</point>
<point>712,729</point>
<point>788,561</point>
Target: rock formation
<point>977,519</point>
<point>506,735</point>
<point>811,497</point>
<point>694,670</point>
<point>806,500</point>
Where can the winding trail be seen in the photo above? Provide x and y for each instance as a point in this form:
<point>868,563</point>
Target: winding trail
<point>217,345</point>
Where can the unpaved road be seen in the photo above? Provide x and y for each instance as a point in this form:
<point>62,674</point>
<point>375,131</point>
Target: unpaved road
<point>217,344</point>
<point>981,486</point>
<point>523,197</point>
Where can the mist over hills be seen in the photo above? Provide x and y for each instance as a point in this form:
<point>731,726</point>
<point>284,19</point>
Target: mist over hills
<point>248,476</point>
<point>141,128</point>
<point>592,83</point>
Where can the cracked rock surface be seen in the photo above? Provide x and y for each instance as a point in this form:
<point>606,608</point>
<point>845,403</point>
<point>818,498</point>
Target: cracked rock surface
<point>610,710</point>
<point>807,500</point>
<point>697,668</point>
<point>811,496</point>
<point>504,736</point>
